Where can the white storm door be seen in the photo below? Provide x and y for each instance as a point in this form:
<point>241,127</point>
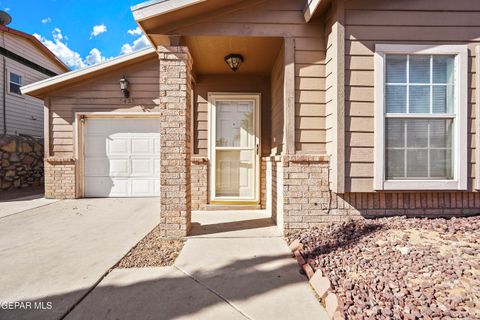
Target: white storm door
<point>122,157</point>
<point>235,145</point>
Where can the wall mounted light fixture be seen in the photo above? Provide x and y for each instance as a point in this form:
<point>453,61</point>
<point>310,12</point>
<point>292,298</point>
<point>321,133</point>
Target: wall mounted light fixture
<point>234,61</point>
<point>124,87</point>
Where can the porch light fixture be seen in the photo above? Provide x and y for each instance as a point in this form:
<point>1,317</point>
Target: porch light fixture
<point>234,61</point>
<point>124,87</point>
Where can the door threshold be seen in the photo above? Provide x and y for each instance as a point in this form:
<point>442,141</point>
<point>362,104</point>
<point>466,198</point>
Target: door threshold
<point>232,207</point>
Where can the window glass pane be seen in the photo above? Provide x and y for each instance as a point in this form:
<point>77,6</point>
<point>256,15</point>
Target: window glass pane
<point>441,99</point>
<point>395,163</point>
<point>396,99</point>
<point>441,133</point>
<point>15,88</point>
<point>15,78</point>
<point>235,124</point>
<point>417,163</point>
<point>417,133</point>
<point>443,69</point>
<point>419,99</point>
<point>419,69</point>
<point>395,133</point>
<point>441,164</point>
<point>396,69</point>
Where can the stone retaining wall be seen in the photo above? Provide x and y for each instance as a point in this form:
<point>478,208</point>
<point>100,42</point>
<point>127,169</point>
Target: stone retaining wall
<point>21,162</point>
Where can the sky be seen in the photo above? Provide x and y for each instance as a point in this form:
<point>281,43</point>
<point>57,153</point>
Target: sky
<point>79,32</point>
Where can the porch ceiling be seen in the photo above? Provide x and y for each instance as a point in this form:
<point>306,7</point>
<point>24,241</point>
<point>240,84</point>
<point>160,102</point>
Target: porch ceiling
<point>209,52</point>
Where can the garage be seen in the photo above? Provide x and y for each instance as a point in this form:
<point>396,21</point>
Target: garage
<point>121,157</point>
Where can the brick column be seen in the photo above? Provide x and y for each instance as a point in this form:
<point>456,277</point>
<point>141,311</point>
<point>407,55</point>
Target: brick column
<point>175,151</point>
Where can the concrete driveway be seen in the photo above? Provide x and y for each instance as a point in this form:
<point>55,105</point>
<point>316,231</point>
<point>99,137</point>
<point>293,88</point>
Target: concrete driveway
<point>54,254</point>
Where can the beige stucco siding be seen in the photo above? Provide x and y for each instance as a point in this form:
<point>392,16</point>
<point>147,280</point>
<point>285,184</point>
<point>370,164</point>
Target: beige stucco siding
<point>101,95</point>
<point>400,22</point>
<point>282,18</point>
<point>229,83</point>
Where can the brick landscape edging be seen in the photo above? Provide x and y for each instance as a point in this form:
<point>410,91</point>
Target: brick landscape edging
<point>319,283</point>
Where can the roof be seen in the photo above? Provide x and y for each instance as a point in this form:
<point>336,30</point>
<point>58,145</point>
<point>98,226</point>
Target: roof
<point>41,88</point>
<point>38,44</point>
<point>153,8</point>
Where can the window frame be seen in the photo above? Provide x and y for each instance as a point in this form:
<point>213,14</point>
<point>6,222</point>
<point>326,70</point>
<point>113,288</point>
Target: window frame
<point>21,75</point>
<point>459,181</point>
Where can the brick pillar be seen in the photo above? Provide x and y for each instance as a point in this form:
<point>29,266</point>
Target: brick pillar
<point>175,151</point>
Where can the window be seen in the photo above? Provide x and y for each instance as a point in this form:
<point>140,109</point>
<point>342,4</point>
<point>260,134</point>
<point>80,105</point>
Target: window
<point>420,117</point>
<point>15,83</point>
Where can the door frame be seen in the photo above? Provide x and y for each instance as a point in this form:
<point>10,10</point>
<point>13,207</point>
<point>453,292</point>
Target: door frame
<point>213,97</point>
<point>79,143</point>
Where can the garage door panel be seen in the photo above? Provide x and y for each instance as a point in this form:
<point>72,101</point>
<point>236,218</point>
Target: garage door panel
<point>142,146</point>
<point>119,167</point>
<point>156,146</point>
<point>97,167</point>
<point>122,157</point>
<point>142,168</point>
<point>143,187</point>
<point>117,146</point>
<point>95,145</point>
<point>156,167</point>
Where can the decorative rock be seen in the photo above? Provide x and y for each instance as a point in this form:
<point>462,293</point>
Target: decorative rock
<point>10,146</point>
<point>14,158</point>
<point>398,268</point>
<point>308,270</point>
<point>299,257</point>
<point>331,303</point>
<point>21,162</point>
<point>320,284</point>
<point>296,245</point>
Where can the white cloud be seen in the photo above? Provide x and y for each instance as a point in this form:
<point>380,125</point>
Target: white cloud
<point>46,20</point>
<point>61,49</point>
<point>70,57</point>
<point>135,32</point>
<point>94,57</point>
<point>7,9</point>
<point>98,30</point>
<point>138,44</point>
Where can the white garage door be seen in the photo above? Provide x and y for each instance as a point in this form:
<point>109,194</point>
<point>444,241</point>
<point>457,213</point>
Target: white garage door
<point>122,157</point>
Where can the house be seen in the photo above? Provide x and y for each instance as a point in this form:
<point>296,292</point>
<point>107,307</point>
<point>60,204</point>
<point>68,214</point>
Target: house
<point>338,109</point>
<point>23,60</point>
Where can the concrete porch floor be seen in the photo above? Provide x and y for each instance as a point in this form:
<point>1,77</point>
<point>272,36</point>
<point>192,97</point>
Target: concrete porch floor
<point>235,265</point>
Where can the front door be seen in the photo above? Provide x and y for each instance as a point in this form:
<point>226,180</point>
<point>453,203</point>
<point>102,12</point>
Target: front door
<point>234,148</point>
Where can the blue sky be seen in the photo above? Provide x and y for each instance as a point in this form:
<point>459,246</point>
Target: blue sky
<point>80,32</point>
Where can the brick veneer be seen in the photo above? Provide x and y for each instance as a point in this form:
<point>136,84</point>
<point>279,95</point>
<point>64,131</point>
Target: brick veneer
<point>263,183</point>
<point>175,152</point>
<point>60,178</point>
<point>199,183</point>
<point>308,202</point>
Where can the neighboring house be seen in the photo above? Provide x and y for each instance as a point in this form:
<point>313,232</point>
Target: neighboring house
<point>340,109</point>
<point>23,60</point>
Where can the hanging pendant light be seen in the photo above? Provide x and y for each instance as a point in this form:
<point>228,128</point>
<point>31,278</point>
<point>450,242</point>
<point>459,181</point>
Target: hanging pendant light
<point>234,61</point>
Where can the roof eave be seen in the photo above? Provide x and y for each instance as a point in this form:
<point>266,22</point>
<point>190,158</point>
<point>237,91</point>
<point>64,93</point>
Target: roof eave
<point>311,8</point>
<point>40,88</point>
<point>154,8</point>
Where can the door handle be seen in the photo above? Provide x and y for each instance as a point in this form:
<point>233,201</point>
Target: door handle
<point>257,149</point>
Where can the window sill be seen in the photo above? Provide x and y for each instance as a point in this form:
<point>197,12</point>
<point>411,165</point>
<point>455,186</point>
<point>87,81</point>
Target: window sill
<point>422,185</point>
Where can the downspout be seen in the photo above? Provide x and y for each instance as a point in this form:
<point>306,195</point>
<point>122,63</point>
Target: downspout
<point>4,97</point>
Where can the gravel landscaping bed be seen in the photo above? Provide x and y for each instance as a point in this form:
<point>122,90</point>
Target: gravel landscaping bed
<point>152,251</point>
<point>399,268</point>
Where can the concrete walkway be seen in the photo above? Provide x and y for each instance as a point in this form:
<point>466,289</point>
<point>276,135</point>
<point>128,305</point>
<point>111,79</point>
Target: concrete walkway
<point>16,201</point>
<point>56,253</point>
<point>235,265</point>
